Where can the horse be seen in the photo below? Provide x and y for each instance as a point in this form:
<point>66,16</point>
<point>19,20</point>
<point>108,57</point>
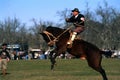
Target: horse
<point>58,37</point>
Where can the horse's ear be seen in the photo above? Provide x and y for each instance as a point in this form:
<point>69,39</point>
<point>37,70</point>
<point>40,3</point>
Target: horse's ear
<point>41,33</point>
<point>49,26</point>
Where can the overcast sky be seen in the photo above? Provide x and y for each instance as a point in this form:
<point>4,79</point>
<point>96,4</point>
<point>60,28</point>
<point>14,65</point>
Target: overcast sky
<point>46,10</point>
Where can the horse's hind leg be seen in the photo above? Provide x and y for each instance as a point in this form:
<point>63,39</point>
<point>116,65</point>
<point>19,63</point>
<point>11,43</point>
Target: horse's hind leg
<point>99,69</point>
<point>102,71</point>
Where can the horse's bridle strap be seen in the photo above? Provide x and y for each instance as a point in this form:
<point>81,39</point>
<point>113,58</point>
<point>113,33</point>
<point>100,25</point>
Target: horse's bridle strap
<point>55,38</point>
<point>49,34</point>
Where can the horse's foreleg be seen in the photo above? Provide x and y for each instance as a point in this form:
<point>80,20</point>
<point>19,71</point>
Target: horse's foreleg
<point>52,59</point>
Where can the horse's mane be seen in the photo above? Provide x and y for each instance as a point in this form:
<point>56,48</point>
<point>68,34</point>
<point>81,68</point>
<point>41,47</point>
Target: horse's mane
<point>54,29</point>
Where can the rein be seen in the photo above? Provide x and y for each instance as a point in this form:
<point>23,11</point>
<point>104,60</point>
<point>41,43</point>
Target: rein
<point>51,42</point>
<point>49,34</point>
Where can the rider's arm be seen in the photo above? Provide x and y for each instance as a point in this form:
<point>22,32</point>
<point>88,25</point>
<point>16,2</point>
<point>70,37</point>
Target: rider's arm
<point>70,19</point>
<point>82,20</point>
<point>8,55</point>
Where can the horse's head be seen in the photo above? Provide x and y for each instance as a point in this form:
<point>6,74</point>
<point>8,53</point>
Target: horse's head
<point>54,33</point>
<point>51,33</point>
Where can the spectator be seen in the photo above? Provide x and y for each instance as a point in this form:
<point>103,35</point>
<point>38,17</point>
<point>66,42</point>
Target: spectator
<point>41,56</point>
<point>4,58</point>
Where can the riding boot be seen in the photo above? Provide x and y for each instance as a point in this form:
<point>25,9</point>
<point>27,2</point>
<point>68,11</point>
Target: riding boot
<point>72,38</point>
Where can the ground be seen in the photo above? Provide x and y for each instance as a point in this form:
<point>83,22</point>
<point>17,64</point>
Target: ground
<point>66,69</point>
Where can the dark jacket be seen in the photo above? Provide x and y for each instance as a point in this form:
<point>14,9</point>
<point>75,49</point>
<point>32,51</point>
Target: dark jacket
<point>76,20</point>
<point>4,54</point>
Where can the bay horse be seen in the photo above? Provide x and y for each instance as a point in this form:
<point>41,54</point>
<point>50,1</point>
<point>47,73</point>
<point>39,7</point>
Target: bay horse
<point>59,37</point>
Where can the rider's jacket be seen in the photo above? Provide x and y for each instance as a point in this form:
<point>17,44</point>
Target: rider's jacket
<point>76,20</point>
<point>4,54</point>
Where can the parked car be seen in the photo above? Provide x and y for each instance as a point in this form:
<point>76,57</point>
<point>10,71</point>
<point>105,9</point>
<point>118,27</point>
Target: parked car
<point>116,54</point>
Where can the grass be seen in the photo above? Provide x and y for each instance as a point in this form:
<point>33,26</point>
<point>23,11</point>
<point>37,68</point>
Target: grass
<point>72,69</point>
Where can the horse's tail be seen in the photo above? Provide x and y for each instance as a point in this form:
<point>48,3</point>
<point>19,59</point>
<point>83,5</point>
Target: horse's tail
<point>106,54</point>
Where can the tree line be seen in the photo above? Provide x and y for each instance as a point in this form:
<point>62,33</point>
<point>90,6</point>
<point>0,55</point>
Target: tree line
<point>102,28</point>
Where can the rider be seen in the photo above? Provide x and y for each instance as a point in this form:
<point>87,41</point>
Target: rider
<point>78,20</point>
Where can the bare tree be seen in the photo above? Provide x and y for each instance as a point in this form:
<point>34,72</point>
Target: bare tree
<point>106,15</point>
<point>9,28</point>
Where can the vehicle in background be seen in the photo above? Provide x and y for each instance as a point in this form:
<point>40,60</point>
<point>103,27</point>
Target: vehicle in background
<point>116,54</point>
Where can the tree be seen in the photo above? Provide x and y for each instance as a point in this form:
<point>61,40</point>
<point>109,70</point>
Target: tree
<point>107,15</point>
<point>8,30</point>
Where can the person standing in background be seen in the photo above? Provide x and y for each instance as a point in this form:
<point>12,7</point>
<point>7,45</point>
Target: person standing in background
<point>4,59</point>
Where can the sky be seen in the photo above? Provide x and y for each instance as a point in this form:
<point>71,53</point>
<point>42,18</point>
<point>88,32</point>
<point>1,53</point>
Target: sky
<point>46,10</point>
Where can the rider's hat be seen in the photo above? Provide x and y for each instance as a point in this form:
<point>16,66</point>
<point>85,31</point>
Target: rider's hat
<point>76,10</point>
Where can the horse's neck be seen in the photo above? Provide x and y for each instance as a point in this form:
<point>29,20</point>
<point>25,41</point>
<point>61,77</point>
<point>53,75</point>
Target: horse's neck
<point>56,32</point>
<point>59,32</point>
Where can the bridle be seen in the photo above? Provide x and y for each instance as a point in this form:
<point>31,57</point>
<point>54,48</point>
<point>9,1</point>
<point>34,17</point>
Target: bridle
<point>52,41</point>
<point>49,35</point>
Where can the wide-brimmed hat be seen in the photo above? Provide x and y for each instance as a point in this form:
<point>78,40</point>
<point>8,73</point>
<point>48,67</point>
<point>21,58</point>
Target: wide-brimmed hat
<point>76,10</point>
